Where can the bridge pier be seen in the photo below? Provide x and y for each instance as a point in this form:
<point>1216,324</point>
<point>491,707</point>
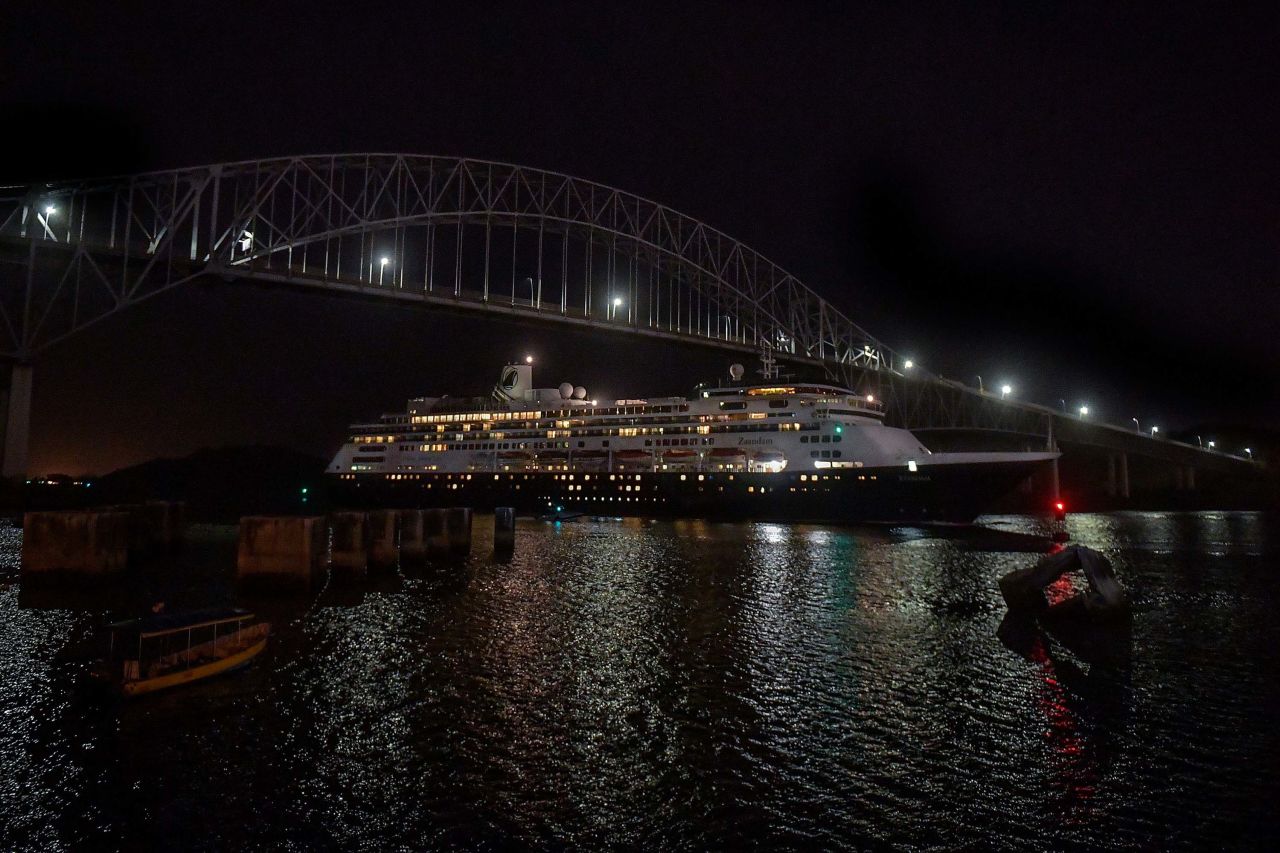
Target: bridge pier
<point>17,421</point>
<point>1118,475</point>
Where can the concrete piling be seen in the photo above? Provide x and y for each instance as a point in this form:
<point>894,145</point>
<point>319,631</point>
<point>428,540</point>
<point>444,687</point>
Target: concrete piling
<point>281,550</point>
<point>458,529</point>
<point>166,521</point>
<point>504,529</point>
<point>413,540</point>
<point>348,544</point>
<point>91,543</point>
<point>384,539</point>
<point>435,532</point>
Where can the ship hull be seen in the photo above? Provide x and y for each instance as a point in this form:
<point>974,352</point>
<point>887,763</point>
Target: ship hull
<point>943,493</point>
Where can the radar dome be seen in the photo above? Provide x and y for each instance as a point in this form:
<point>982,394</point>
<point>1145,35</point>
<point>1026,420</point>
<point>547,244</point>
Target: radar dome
<point>579,393</point>
<point>736,371</point>
<point>566,390</point>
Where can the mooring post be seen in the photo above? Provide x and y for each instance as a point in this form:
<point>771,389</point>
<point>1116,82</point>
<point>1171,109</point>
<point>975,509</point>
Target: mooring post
<point>504,529</point>
<point>17,422</point>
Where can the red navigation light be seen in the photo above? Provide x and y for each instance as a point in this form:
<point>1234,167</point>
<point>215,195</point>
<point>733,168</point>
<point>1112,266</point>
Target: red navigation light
<point>1060,506</point>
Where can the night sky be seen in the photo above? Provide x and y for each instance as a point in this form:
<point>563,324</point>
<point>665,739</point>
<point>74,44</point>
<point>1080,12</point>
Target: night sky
<point>1083,202</point>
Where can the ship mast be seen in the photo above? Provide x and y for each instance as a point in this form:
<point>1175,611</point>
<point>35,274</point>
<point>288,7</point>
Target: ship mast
<point>768,364</point>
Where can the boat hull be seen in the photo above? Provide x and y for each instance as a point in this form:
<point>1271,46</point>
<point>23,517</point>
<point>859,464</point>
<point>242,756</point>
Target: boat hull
<point>195,673</point>
<point>943,493</point>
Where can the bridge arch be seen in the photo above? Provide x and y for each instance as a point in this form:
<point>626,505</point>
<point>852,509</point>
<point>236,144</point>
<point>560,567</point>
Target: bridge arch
<point>474,233</point>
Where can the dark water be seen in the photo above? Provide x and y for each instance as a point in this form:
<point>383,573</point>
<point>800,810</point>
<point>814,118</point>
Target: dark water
<point>676,686</point>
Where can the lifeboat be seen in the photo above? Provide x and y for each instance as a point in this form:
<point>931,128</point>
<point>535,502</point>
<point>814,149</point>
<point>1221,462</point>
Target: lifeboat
<point>728,453</point>
<point>515,455</point>
<point>631,455</point>
<point>591,454</point>
<point>768,456</point>
<point>553,455</point>
<point>679,453</point>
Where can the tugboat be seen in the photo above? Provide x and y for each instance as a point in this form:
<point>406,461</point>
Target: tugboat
<point>167,650</point>
<point>778,450</point>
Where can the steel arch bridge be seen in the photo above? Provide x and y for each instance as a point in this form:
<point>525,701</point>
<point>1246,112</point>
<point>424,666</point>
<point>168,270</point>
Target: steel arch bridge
<point>451,232</point>
<point>493,236</point>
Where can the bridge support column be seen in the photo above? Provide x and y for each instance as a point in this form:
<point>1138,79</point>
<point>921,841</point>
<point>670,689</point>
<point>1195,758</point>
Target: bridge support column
<point>17,422</point>
<point>1111,475</point>
<point>1124,475</point>
<point>1191,478</point>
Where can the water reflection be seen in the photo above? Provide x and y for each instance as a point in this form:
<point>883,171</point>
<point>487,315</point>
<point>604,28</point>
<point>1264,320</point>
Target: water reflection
<point>676,685</point>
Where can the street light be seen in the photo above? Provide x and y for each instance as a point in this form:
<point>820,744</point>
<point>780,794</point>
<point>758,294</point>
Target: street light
<point>980,388</point>
<point>1137,426</point>
<point>909,364</point>
<point>1154,430</point>
<point>382,266</point>
<point>1248,452</point>
<point>50,210</point>
<point>1005,390</point>
<point>528,359</point>
<point>1084,411</point>
<point>1212,443</point>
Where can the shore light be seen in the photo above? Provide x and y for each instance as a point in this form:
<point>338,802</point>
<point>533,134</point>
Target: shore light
<point>909,364</point>
<point>1005,390</point>
<point>528,359</point>
<point>1084,411</point>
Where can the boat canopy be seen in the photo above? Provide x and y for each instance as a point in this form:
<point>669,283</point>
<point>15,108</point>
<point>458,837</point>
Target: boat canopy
<point>168,623</point>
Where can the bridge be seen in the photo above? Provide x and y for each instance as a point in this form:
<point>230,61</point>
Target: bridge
<point>476,236</point>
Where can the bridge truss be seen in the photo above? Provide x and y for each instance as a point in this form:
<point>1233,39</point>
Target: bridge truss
<point>479,234</point>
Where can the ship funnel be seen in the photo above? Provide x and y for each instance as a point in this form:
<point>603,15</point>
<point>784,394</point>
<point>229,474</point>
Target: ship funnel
<point>515,383</point>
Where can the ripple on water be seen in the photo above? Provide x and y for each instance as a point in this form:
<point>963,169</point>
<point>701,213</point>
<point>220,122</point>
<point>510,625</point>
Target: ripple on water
<point>679,685</point>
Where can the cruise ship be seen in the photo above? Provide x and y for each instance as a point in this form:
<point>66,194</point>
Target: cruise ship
<point>779,450</point>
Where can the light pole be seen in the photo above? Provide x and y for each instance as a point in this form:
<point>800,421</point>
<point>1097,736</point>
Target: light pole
<point>1212,444</point>
<point>1063,403</point>
<point>1199,441</point>
<point>617,303</point>
<point>1005,390</point>
<point>529,279</point>
<point>980,388</point>
<point>1137,426</point>
<point>1154,430</point>
<point>908,364</point>
<point>381,267</point>
<point>1084,411</point>
<point>1248,453</point>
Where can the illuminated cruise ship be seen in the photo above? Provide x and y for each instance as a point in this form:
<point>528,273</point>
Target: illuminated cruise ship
<point>779,450</point>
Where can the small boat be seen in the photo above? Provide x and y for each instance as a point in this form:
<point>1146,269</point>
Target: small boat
<point>167,650</point>
<point>728,453</point>
<point>559,514</point>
